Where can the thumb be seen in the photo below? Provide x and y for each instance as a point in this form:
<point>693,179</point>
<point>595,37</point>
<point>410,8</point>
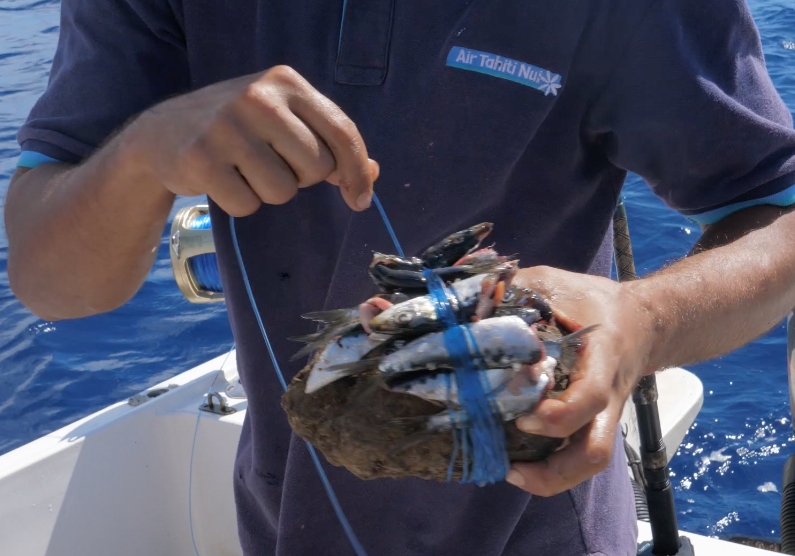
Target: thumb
<point>538,278</point>
<point>363,197</point>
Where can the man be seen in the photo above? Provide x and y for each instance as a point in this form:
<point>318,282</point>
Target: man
<point>527,114</point>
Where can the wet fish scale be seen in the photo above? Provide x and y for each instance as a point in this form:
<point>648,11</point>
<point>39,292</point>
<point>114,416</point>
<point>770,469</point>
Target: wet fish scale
<point>501,341</point>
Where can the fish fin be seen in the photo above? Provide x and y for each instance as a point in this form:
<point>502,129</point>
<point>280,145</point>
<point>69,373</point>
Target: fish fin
<point>322,337</point>
<point>555,348</point>
<point>306,350</point>
<point>334,315</point>
<point>306,338</point>
<point>354,367</point>
<point>320,379</point>
<point>384,347</point>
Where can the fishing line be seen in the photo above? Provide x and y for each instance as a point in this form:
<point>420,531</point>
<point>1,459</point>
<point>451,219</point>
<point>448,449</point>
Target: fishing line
<point>193,448</point>
<point>482,434</point>
<point>346,526</point>
<point>389,228</point>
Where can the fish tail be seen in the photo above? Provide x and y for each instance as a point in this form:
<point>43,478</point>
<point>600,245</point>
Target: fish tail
<point>575,340</point>
<point>320,338</point>
<point>319,379</point>
<point>334,315</point>
<point>306,338</point>
<point>306,350</point>
<point>355,367</point>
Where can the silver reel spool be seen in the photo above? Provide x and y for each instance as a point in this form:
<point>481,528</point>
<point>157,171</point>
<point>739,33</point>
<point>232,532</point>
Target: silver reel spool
<point>187,243</point>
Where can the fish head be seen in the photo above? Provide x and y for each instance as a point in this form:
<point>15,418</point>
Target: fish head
<point>393,261</point>
<point>481,231</point>
<point>414,314</point>
<point>456,245</point>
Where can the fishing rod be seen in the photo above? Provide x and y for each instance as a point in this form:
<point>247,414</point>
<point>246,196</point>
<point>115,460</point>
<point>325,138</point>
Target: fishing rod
<point>787,516</point>
<point>659,492</point>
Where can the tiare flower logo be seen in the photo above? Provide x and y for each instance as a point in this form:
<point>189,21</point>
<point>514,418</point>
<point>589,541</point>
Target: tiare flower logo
<point>550,83</point>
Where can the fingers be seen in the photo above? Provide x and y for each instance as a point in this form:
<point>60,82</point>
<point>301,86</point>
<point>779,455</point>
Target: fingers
<point>269,176</point>
<point>231,192</point>
<point>588,454</point>
<point>205,172</point>
<point>588,394</point>
<point>262,137</point>
<point>353,173</point>
<point>302,149</point>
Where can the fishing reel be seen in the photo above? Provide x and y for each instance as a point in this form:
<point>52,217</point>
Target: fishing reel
<point>193,258</point>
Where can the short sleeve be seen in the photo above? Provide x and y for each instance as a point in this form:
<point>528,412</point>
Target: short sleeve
<point>691,108</point>
<point>114,59</point>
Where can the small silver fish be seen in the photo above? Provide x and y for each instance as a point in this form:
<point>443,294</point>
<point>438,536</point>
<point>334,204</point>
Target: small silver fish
<point>501,342</point>
<point>511,405</point>
<point>420,313</point>
<point>443,387</point>
<point>346,349</point>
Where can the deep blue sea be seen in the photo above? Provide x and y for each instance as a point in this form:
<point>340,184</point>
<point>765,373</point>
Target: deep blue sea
<point>726,473</point>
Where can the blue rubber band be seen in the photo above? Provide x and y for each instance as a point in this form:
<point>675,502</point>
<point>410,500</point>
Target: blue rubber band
<point>483,445</point>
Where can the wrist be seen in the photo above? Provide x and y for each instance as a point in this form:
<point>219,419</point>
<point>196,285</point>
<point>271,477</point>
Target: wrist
<point>645,312</point>
<point>130,157</point>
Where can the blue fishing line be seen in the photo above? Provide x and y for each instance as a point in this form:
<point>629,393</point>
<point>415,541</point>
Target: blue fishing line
<point>346,526</point>
<point>389,228</point>
<point>205,267</point>
<point>483,446</point>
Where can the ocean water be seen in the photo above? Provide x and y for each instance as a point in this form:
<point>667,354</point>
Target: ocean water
<point>726,473</point>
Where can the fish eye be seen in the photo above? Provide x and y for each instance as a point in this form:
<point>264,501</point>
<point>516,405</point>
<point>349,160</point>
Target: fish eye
<point>404,317</point>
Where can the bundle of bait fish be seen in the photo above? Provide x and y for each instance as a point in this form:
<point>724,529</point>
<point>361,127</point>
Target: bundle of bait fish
<point>379,396</point>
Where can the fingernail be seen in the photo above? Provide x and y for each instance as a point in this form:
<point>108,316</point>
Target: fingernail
<point>515,478</point>
<point>531,424</point>
<point>364,200</point>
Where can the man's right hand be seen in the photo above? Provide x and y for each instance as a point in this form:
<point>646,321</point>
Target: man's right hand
<point>83,238</point>
<point>251,140</point>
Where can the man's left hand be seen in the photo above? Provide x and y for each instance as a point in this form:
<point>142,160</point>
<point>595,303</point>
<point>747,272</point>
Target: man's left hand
<point>615,356</point>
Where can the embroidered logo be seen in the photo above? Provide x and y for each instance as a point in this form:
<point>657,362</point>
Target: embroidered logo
<point>505,68</point>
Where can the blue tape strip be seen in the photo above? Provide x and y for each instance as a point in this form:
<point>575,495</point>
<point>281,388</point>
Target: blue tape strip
<point>32,159</point>
<point>784,198</point>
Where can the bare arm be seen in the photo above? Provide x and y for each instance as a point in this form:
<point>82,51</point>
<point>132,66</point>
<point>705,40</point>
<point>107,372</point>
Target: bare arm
<point>737,285</point>
<point>82,239</point>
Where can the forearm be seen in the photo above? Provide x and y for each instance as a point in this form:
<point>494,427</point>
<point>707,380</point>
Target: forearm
<point>736,287</point>
<point>82,239</point>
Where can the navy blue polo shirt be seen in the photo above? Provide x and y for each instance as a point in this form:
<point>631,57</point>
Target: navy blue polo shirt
<point>520,112</point>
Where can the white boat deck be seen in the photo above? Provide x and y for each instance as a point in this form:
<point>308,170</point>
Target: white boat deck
<point>119,482</point>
